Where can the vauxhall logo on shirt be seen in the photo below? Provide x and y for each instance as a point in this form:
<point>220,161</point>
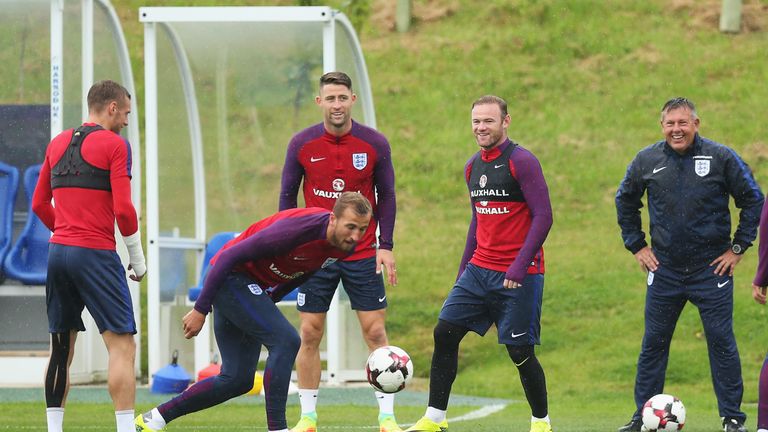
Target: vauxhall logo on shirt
<point>277,271</point>
<point>492,192</point>
<point>338,185</point>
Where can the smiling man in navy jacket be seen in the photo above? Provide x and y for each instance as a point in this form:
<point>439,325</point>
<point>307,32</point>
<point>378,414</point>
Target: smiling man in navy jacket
<point>689,180</point>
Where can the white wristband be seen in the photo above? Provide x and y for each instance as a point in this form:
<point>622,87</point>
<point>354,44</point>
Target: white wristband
<point>136,253</point>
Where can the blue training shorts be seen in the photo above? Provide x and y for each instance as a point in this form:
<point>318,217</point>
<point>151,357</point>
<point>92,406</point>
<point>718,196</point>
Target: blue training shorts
<point>364,287</point>
<point>81,277</point>
<point>479,299</point>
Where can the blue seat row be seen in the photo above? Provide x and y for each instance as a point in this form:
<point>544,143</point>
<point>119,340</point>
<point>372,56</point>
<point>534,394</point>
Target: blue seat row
<point>27,260</point>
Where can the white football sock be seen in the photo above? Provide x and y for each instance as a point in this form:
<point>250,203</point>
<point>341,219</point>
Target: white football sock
<point>55,418</point>
<point>386,402</point>
<point>124,420</point>
<point>762,430</point>
<point>546,419</point>
<point>435,414</point>
<point>308,399</point>
<point>155,420</point>
<point>279,430</point>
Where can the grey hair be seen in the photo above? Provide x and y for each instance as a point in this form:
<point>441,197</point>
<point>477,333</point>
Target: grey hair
<point>678,102</point>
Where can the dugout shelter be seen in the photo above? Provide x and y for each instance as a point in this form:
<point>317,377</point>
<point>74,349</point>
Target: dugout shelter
<point>52,51</point>
<point>226,89</point>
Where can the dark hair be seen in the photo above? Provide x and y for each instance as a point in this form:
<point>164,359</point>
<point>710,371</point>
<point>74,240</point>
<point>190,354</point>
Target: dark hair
<point>491,99</point>
<point>339,78</point>
<point>104,92</point>
<point>354,200</point>
<point>678,102</point>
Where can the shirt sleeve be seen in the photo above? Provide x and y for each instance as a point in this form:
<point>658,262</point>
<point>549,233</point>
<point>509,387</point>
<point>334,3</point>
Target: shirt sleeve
<point>471,243</point>
<point>293,173</point>
<point>761,277</point>
<point>120,180</point>
<point>746,195</point>
<point>41,198</point>
<point>536,193</point>
<point>628,204</point>
<point>386,204</point>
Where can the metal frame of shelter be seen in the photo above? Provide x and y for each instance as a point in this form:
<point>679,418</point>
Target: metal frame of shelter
<point>90,360</point>
<point>158,19</point>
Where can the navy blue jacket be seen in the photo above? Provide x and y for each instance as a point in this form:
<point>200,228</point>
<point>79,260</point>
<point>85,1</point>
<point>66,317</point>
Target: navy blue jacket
<point>688,198</point>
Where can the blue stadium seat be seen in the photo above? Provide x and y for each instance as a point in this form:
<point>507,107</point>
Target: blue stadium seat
<point>9,184</point>
<point>214,244</point>
<point>27,261</point>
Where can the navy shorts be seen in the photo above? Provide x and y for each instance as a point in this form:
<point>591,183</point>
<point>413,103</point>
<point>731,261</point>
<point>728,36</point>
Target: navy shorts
<point>364,287</point>
<point>81,277</point>
<point>479,299</point>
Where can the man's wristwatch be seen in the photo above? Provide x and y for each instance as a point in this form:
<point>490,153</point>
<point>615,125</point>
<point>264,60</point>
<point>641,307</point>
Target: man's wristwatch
<point>738,249</point>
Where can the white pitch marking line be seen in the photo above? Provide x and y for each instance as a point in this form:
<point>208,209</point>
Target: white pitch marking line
<point>479,413</point>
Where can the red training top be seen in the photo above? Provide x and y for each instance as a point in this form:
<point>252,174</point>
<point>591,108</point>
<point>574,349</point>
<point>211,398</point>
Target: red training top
<point>81,216</point>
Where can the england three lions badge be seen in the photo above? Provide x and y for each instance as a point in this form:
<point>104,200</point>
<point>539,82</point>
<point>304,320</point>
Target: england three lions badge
<point>702,167</point>
<point>360,160</point>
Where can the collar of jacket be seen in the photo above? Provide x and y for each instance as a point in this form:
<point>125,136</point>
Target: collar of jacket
<point>694,149</point>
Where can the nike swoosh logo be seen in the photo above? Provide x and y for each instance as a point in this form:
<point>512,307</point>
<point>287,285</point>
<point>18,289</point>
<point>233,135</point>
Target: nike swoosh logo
<point>498,166</point>
<point>517,335</point>
<point>720,285</point>
<point>314,159</point>
<point>655,170</point>
<point>522,362</point>
<point>382,299</point>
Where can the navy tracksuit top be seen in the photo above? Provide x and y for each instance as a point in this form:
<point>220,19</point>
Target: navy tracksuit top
<point>688,197</point>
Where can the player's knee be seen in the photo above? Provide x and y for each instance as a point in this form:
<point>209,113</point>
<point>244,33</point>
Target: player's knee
<point>58,369</point>
<point>520,353</point>
<point>242,385</point>
<point>447,334</point>
<point>128,351</point>
<point>291,342</point>
<point>376,335</point>
<point>311,332</point>
<point>232,385</point>
<point>656,340</point>
<point>60,347</point>
<point>721,340</point>
<point>120,345</point>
